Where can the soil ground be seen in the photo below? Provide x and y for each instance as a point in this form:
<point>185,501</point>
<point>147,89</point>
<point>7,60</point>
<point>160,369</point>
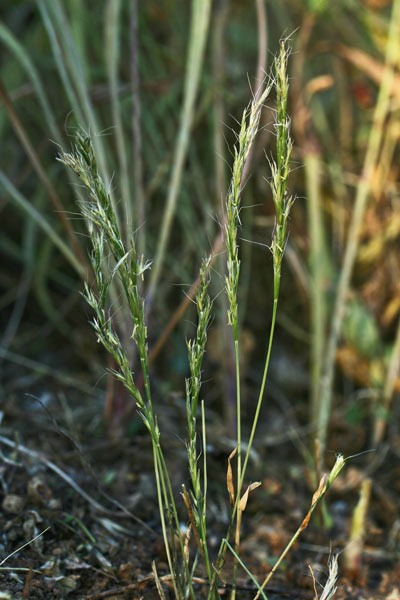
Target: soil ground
<point>99,540</point>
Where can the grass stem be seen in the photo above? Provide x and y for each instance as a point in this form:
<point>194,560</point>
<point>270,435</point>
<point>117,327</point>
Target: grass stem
<point>197,40</point>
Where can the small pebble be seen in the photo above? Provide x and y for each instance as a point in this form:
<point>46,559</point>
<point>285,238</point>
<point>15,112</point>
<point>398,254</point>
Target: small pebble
<point>55,504</point>
<point>13,504</point>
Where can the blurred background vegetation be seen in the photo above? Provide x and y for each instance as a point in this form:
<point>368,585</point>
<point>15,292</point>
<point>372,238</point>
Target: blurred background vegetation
<point>160,86</point>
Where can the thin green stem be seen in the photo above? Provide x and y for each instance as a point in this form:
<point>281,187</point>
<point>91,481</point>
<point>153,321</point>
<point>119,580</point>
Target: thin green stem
<point>249,573</point>
<point>238,408</point>
<point>278,562</point>
<point>172,506</point>
<point>203,425</point>
<point>223,546</point>
<point>204,507</point>
<point>169,504</point>
<point>324,485</point>
<point>239,460</point>
<point>264,379</point>
<point>161,511</point>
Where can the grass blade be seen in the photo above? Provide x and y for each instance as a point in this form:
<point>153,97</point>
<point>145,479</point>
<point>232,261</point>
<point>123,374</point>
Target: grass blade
<point>112,51</point>
<point>198,34</point>
<point>249,573</point>
<point>20,53</point>
<point>23,203</point>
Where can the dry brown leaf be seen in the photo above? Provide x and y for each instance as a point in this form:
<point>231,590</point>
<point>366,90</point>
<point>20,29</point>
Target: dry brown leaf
<point>320,490</point>
<point>305,521</point>
<point>315,498</point>
<point>229,477</point>
<point>245,497</point>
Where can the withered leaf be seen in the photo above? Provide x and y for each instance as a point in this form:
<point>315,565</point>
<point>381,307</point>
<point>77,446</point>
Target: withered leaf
<point>229,477</point>
<point>245,497</point>
<point>317,494</point>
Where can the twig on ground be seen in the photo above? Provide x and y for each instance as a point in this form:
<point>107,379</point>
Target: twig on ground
<point>24,545</point>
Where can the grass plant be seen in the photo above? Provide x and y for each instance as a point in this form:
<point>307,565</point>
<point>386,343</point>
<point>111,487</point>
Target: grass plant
<point>107,239</point>
<point>73,91</point>
<point>123,262</point>
<point>139,121</point>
